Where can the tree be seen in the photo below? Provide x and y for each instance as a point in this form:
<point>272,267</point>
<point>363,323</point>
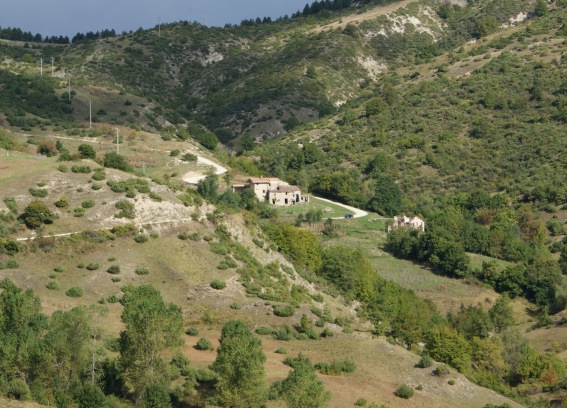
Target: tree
<point>208,188</point>
<point>22,326</point>
<point>540,8</point>
<point>349,270</point>
<point>247,143</point>
<point>155,397</point>
<point>86,151</point>
<point>116,161</point>
<point>240,367</point>
<point>446,345</point>
<point>36,214</point>
<point>152,327</point>
<point>387,199</point>
<point>302,388</point>
<point>501,313</point>
<point>90,396</point>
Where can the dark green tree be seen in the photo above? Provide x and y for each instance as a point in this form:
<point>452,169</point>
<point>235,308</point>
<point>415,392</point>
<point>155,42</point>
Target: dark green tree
<point>501,313</point>
<point>540,9</point>
<point>155,396</point>
<point>86,151</point>
<point>36,214</point>
<point>90,396</point>
<point>247,143</point>
<point>387,199</point>
<point>152,328</point>
<point>116,161</point>
<point>240,367</point>
<point>208,188</point>
<point>302,388</point>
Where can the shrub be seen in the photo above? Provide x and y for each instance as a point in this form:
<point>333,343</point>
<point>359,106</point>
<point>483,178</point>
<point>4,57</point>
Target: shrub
<point>141,238</point>
<point>116,161</point>
<point>441,370</point>
<point>81,169</point>
<point>204,344</point>
<point>174,153</point>
<point>62,203</point>
<point>114,269</point>
<point>116,279</point>
<point>92,266</point>
<point>11,204</point>
<point>425,362</point>
<point>86,151</point>
<point>192,331</point>
<point>62,168</point>
<point>451,382</point>
<point>317,297</point>
<point>36,214</point>
<point>11,264</point>
<point>361,402</point>
<point>154,235</point>
<point>142,271</point>
<point>75,291</point>
<point>189,157</point>
<point>59,268</point>
<point>99,175</point>
<point>96,186</point>
<point>283,311</point>
<point>264,330</point>
<point>88,204</point>
<point>52,285</point>
<point>336,367</point>
<point>126,209</point>
<point>17,389</point>
<point>404,391</point>
<point>81,265</point>
<point>280,350</point>
<point>235,306</point>
<point>38,192</point>
<point>112,299</point>
<point>78,212</point>
<point>218,284</point>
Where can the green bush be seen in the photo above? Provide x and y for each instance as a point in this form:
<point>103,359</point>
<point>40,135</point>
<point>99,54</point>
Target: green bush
<point>336,367</point>
<point>62,168</point>
<point>218,284</point>
<point>17,389</point>
<point>38,192</point>
<point>11,204</point>
<point>425,362</point>
<point>75,291</point>
<point>11,264</point>
<point>283,311</point>
<point>142,271</point>
<point>126,209</point>
<point>441,370</point>
<point>99,175</point>
<point>88,204</point>
<point>141,238</point>
<point>204,344</point>
<point>280,350</point>
<point>96,186</point>
<point>114,269</point>
<point>62,203</point>
<point>404,391</point>
<point>192,331</point>
<point>78,212</point>
<point>92,266</point>
<point>361,402</point>
<point>81,169</point>
<point>59,268</point>
<point>264,330</point>
<point>52,285</point>
<point>235,306</point>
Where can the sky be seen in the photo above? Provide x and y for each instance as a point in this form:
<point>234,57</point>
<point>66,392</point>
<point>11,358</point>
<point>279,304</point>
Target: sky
<point>68,17</point>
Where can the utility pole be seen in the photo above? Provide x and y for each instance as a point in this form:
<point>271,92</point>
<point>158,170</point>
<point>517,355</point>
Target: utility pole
<point>90,114</point>
<point>117,141</point>
<point>69,89</point>
<point>144,168</point>
<point>41,66</point>
<point>52,67</point>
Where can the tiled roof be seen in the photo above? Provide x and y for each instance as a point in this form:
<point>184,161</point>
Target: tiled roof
<point>286,189</point>
<point>262,179</point>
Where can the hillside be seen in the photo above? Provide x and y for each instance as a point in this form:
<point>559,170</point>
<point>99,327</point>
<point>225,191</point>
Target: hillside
<point>450,110</point>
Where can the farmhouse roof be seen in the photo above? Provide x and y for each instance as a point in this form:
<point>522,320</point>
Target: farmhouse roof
<point>257,180</point>
<point>286,189</point>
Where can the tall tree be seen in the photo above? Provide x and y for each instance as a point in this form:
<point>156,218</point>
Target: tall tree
<point>152,327</point>
<point>240,367</point>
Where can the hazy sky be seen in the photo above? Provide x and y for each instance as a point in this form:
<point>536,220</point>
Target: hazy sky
<point>67,17</point>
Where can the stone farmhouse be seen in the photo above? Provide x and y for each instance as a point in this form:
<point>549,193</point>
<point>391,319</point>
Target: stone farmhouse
<point>407,222</point>
<point>273,190</point>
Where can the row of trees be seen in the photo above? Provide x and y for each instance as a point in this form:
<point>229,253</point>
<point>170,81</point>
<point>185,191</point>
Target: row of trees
<point>17,34</point>
<point>61,360</point>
